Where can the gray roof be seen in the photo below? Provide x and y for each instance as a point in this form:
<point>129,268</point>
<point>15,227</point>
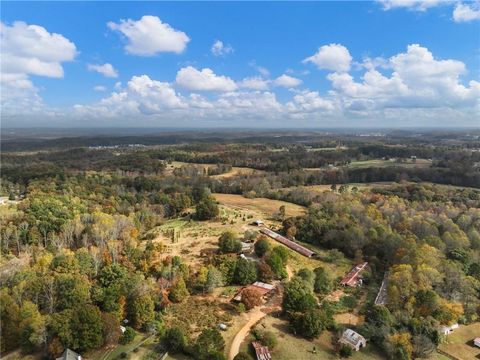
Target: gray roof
<point>69,355</point>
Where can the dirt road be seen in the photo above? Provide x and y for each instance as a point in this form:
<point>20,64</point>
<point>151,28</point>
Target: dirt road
<point>255,315</point>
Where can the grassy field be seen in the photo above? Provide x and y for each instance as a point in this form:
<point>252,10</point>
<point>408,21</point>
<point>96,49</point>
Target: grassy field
<point>459,344</point>
<point>259,206</point>
<point>293,347</point>
<point>392,162</point>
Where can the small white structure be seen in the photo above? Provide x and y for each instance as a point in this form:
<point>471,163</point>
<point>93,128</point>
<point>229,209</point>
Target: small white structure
<point>445,330</point>
<point>123,329</point>
<point>258,222</point>
<point>353,340</point>
<point>70,355</point>
<point>476,342</point>
<point>222,327</point>
<point>246,247</point>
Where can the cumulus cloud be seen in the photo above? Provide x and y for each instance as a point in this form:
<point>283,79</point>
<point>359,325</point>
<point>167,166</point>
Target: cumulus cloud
<point>261,70</point>
<point>29,50</point>
<point>220,49</point>
<point>106,69</point>
<point>150,36</point>
<point>309,101</point>
<point>203,80</point>
<point>254,83</point>
<point>417,5</point>
<point>100,88</point>
<point>417,80</point>
<point>465,12</point>
<point>142,95</point>
<point>287,81</point>
<point>334,57</point>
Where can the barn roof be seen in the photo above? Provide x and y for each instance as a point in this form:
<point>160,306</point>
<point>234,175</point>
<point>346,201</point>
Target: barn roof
<point>352,277</point>
<point>261,351</point>
<point>287,242</point>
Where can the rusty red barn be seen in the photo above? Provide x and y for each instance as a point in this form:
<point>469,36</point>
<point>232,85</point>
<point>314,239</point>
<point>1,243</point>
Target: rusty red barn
<point>353,277</point>
<point>261,351</point>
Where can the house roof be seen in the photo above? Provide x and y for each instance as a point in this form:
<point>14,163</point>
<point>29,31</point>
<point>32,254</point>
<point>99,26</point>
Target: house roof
<point>69,355</point>
<point>261,351</point>
<point>352,277</point>
<point>352,337</point>
<point>259,286</point>
<point>287,242</point>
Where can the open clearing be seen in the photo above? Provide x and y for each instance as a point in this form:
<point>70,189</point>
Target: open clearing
<point>264,206</point>
<point>459,344</point>
<point>392,162</point>
<point>236,170</point>
<point>292,347</point>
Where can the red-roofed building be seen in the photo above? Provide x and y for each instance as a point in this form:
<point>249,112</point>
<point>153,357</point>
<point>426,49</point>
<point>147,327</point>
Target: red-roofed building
<point>353,278</point>
<point>261,351</point>
<point>263,288</point>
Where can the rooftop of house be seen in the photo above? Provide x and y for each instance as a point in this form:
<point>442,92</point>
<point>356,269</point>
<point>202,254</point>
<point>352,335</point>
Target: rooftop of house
<point>352,337</point>
<point>70,355</point>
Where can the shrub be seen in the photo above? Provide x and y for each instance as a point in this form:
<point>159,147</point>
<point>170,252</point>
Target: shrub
<point>262,247</point>
<point>346,351</point>
<point>242,356</point>
<point>174,340</point>
<point>128,336</point>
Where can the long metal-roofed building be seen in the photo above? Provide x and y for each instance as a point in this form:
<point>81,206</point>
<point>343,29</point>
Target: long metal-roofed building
<point>381,298</point>
<point>353,278</point>
<point>287,242</point>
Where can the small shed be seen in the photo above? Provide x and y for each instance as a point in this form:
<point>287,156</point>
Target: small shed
<point>446,330</point>
<point>246,247</point>
<point>476,342</point>
<point>258,222</point>
<point>353,340</point>
<point>70,355</point>
<point>261,351</point>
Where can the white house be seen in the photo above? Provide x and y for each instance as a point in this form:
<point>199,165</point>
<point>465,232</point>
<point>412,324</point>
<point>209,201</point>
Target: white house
<point>445,330</point>
<point>353,339</point>
<point>476,342</point>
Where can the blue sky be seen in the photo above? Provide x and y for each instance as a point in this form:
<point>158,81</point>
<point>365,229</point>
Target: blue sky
<point>310,64</point>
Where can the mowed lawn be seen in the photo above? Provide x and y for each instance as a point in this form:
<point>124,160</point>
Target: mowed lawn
<point>293,347</point>
<point>392,162</point>
<point>459,344</point>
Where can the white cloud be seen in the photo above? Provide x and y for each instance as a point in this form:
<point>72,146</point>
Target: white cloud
<point>149,36</point>
<point>309,101</point>
<point>465,12</point>
<point>287,81</point>
<point>254,83</point>
<point>203,80</point>
<point>106,69</point>
<point>334,57</point>
<point>417,5</point>
<point>261,70</point>
<point>29,50</point>
<point>100,88</point>
<point>142,95</point>
<point>220,49</point>
<point>417,80</point>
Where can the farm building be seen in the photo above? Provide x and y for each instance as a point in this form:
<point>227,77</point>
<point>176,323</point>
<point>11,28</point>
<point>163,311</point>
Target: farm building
<point>353,339</point>
<point>445,330</point>
<point>263,288</point>
<point>353,278</point>
<point>70,355</point>
<point>261,351</point>
<point>381,298</point>
<point>246,247</point>
<point>476,342</point>
<point>289,243</point>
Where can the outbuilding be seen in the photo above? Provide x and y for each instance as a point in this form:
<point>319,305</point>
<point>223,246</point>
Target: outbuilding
<point>353,339</point>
